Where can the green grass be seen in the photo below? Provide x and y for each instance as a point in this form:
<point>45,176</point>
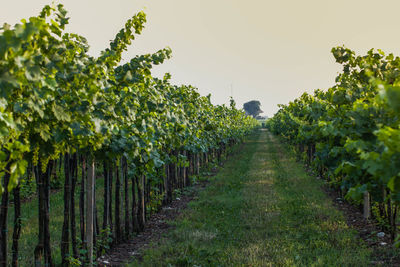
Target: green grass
<point>261,209</point>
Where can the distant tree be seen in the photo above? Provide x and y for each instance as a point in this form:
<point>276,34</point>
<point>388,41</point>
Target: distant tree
<point>252,108</point>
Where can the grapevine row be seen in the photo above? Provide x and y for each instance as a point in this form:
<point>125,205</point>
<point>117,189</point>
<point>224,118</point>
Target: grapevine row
<point>66,114</point>
<point>350,133</point>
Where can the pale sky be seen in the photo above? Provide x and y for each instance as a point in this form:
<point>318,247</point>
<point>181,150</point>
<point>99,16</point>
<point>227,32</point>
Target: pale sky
<point>271,51</point>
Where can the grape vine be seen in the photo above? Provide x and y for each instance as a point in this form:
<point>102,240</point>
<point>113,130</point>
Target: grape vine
<point>62,110</point>
<point>350,133</point>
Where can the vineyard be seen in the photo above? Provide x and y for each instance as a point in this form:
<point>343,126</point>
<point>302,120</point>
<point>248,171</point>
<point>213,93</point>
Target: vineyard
<point>107,141</point>
<point>93,148</point>
<point>349,134</point>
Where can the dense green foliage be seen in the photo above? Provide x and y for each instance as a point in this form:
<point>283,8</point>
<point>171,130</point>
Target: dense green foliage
<point>59,103</point>
<point>55,98</point>
<point>350,133</point>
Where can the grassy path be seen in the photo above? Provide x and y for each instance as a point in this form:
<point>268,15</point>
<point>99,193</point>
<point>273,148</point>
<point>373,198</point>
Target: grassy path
<point>262,209</point>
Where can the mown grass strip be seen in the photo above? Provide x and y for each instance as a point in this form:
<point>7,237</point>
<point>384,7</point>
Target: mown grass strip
<point>262,209</point>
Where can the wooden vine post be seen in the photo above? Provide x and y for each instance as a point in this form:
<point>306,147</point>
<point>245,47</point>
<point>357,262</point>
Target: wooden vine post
<point>90,185</point>
<point>367,209</point>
